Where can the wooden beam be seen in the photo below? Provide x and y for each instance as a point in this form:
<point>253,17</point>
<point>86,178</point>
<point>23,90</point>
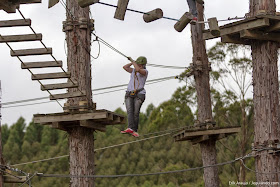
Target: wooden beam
<point>258,35</point>
<point>20,38</point>
<point>15,23</point>
<point>93,125</point>
<point>58,125</point>
<point>153,15</point>
<point>274,27</point>
<point>66,95</point>
<point>183,22</point>
<point>85,3</point>
<point>26,52</point>
<point>50,76</point>
<point>41,118</point>
<point>234,39</point>
<point>225,30</point>
<point>46,64</point>
<point>121,9</point>
<point>12,179</point>
<point>200,139</point>
<point>59,86</point>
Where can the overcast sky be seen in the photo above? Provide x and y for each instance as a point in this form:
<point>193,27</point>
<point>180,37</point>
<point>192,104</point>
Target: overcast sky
<point>158,41</point>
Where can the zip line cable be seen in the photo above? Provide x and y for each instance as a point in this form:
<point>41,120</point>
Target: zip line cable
<point>98,89</point>
<point>99,149</point>
<point>166,132</point>
<point>140,12</point>
<point>144,174</point>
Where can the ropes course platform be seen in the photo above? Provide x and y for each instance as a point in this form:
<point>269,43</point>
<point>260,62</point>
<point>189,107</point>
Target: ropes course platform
<point>261,27</point>
<point>97,119</point>
<point>198,135</point>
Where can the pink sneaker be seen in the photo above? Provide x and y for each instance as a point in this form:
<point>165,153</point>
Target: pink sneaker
<point>127,131</point>
<point>135,134</point>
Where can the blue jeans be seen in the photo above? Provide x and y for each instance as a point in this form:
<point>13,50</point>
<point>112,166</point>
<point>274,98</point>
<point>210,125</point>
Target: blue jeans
<point>192,6</point>
<point>133,105</point>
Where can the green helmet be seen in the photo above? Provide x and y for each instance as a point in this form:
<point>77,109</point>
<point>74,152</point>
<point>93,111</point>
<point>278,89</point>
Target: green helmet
<point>141,60</point>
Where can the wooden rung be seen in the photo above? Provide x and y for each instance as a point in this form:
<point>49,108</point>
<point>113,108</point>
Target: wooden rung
<point>15,23</point>
<point>52,3</point>
<point>26,52</point>
<point>12,179</point>
<point>84,3</point>
<point>30,1</point>
<point>8,6</point>
<point>47,64</point>
<point>153,15</point>
<point>66,95</point>
<point>51,76</point>
<point>214,27</point>
<point>121,9</point>
<point>59,86</point>
<point>20,38</point>
<point>183,22</point>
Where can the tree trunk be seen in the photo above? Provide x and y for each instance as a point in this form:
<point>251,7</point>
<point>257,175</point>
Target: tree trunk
<point>208,148</point>
<point>266,101</point>
<point>1,158</point>
<point>81,140</point>
<point>242,175</point>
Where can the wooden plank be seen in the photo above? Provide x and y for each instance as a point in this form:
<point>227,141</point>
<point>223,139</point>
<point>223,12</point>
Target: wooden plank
<point>93,125</point>
<point>66,95</point>
<point>59,86</point>
<point>12,179</point>
<point>46,64</point>
<point>121,9</point>
<point>15,23</point>
<point>258,23</point>
<point>39,118</point>
<point>20,38</point>
<point>274,27</point>
<point>85,3</point>
<point>258,35</point>
<point>234,39</point>
<point>50,76</point>
<point>26,52</point>
<point>52,3</point>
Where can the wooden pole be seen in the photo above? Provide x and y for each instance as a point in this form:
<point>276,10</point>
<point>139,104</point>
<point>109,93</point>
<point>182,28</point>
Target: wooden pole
<point>266,99</point>
<point>81,140</point>
<point>1,158</point>
<point>201,75</point>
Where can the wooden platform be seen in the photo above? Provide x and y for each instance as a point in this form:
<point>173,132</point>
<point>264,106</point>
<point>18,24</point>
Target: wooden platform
<point>97,120</point>
<point>202,134</point>
<point>261,27</point>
